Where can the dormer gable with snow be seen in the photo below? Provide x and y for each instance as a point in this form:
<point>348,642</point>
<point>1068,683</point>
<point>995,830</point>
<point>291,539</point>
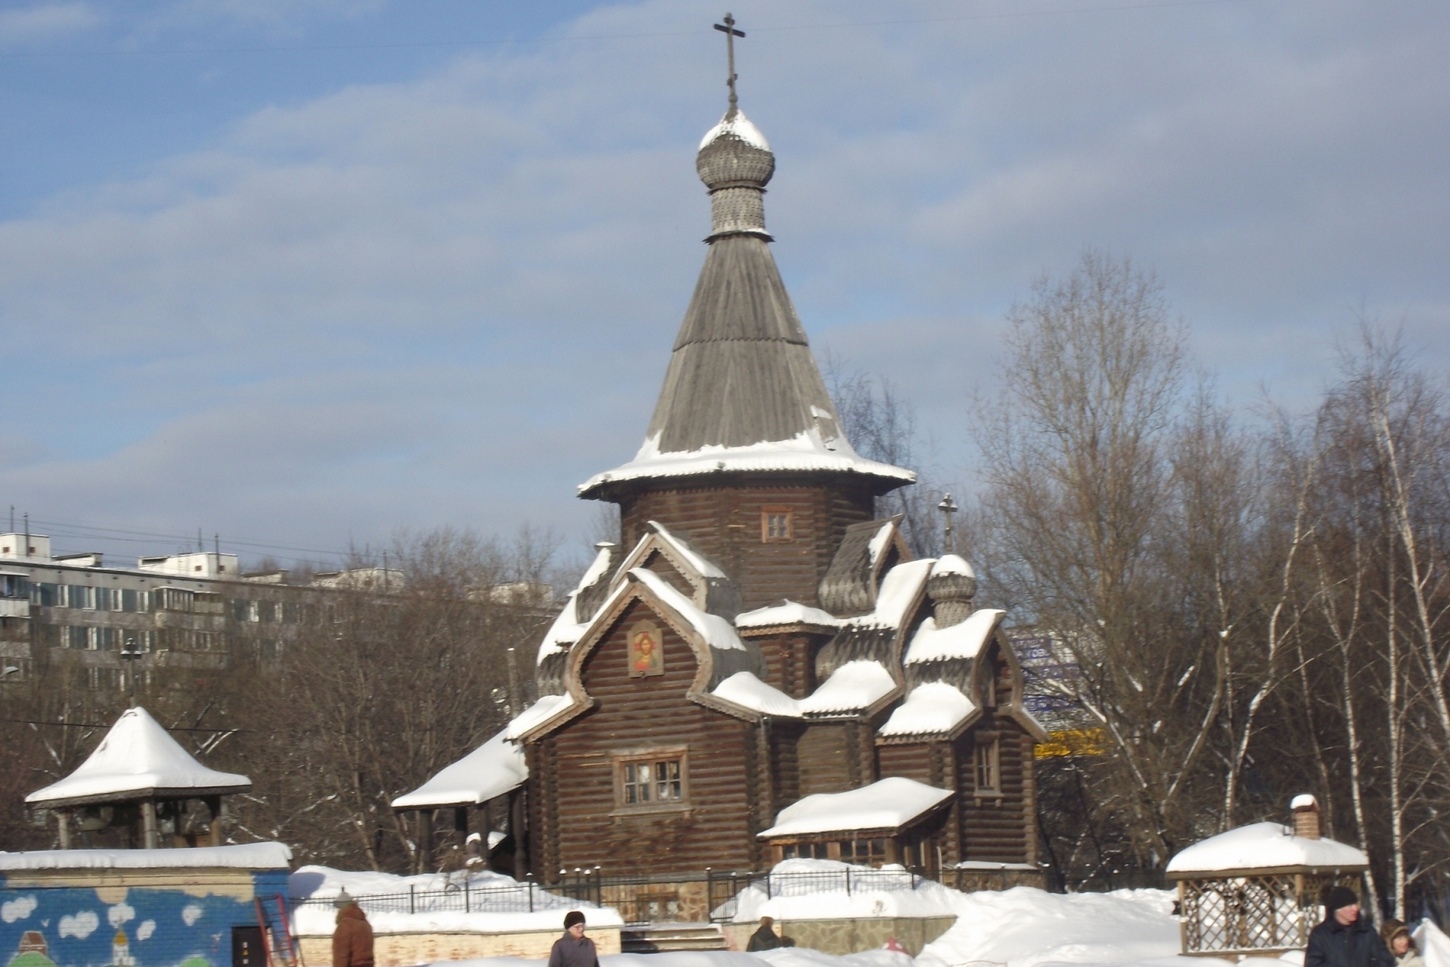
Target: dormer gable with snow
<point>671,557</point>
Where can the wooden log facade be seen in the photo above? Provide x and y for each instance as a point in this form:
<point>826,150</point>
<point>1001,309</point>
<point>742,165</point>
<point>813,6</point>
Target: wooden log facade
<point>757,652</point>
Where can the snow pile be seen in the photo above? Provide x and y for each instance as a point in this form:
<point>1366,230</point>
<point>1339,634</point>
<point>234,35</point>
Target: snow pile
<point>496,903</point>
<point>805,889</point>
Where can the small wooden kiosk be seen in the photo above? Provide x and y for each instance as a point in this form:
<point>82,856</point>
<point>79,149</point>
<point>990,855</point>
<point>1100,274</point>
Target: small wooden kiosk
<point>1256,890</point>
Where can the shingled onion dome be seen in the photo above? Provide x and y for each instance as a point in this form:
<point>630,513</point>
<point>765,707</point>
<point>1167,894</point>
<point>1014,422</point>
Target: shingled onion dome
<point>735,163</point>
<point>951,586</point>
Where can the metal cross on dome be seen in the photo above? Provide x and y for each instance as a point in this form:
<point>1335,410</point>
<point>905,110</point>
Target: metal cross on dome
<point>728,29</point>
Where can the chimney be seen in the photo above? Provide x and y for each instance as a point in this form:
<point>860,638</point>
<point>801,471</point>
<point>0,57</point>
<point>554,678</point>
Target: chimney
<point>1305,810</point>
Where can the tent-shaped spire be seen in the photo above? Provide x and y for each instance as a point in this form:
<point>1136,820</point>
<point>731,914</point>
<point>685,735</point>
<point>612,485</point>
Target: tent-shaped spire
<point>742,392</point>
<point>137,760</point>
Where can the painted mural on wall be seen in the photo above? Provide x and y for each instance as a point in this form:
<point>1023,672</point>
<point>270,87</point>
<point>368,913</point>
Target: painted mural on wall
<point>117,926</point>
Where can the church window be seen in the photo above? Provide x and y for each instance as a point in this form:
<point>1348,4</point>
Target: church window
<point>863,852</point>
<point>988,766</point>
<point>775,525</point>
<point>651,781</point>
<point>817,851</point>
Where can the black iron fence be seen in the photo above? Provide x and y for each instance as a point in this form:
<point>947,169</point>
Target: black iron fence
<point>525,896</point>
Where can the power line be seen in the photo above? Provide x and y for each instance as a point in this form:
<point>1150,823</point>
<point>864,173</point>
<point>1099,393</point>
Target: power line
<point>595,38</point>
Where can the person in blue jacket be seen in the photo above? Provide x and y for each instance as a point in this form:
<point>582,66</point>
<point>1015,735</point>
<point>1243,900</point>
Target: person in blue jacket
<point>1345,939</point>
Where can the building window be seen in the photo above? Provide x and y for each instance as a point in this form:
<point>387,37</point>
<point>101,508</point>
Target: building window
<point>652,781</point>
<point>775,525</point>
<point>810,851</point>
<point>863,852</point>
<point>988,762</point>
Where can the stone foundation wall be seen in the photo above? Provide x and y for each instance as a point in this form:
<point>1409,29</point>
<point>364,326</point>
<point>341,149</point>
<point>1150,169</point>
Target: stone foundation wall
<point>849,936</point>
<point>404,949</point>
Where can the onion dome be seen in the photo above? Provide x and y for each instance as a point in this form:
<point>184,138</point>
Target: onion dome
<point>735,163</point>
<point>951,587</point>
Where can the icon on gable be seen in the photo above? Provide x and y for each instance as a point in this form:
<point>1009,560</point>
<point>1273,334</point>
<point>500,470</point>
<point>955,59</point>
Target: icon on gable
<point>646,656</point>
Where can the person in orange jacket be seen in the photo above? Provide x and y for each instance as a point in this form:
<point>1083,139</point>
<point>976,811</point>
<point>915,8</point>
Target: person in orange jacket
<point>352,941</point>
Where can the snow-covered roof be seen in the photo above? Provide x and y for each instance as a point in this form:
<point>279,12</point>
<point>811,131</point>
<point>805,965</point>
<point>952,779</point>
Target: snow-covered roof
<point>567,627</point>
<point>536,715</point>
<point>854,686</point>
<point>805,452</point>
<point>899,590</point>
<point>933,708</point>
<point>137,760</point>
<point>738,125</point>
<point>715,630</point>
<point>786,613</point>
<point>962,640</point>
<point>748,691</point>
<point>249,856</point>
<point>488,771</point>
<point>880,540</point>
<point>1264,846</point>
<point>886,804</point>
<point>702,566</point>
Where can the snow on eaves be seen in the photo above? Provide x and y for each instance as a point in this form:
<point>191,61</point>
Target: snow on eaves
<point>886,804</point>
<point>136,758</point>
<point>489,771</point>
<point>713,629</point>
<point>702,566</point>
<point>1263,846</point>
<point>854,686</point>
<point>747,691</point>
<point>962,640</point>
<point>805,452</point>
<point>880,540</point>
<point>786,613</point>
<point>899,591</point>
<point>546,708</point>
<point>567,627</point>
<point>933,708</point>
<point>248,856</point>
<point>740,126</point>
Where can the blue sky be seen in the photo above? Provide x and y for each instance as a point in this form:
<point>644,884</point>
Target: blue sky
<point>307,273</point>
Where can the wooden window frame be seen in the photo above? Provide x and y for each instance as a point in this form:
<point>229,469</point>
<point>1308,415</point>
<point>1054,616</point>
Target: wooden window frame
<point>771,512</point>
<point>987,766</point>
<point>680,756</point>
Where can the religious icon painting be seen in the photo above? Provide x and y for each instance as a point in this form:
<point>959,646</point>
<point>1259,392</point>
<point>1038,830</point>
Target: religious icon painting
<point>646,656</point>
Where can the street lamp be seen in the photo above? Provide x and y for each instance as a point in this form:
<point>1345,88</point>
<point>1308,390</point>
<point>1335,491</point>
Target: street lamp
<point>130,652</point>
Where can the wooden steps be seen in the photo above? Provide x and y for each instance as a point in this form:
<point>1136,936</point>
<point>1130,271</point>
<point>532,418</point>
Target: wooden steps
<point>652,938</point>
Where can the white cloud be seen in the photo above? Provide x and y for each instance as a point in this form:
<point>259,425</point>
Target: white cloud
<point>80,926</point>
<point>119,914</point>
<point>145,929</point>
<point>45,21</point>
<point>191,913</point>
<point>19,908</point>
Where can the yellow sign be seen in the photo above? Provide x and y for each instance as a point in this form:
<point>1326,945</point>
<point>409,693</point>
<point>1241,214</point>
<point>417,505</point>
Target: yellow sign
<point>1070,742</point>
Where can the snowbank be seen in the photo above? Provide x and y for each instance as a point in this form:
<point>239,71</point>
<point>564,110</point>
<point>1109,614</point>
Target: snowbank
<point>248,856</point>
<point>497,903</point>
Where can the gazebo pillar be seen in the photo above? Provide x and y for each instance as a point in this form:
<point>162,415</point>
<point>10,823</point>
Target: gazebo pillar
<point>62,817</point>
<point>149,837</point>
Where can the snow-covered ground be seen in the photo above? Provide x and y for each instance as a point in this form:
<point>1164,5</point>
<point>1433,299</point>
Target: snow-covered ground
<point>1020,927</point>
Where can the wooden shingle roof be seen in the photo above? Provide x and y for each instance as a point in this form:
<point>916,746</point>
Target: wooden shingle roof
<point>742,391</point>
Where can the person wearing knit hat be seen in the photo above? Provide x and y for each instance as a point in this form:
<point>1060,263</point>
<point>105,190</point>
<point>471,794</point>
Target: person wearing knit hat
<point>1402,945</point>
<point>576,950</point>
<point>1345,939</point>
<point>352,940</point>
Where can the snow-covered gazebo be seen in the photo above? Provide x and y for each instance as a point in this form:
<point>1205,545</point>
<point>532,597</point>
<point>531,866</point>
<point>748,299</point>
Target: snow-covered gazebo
<point>139,774</point>
<point>1256,889</point>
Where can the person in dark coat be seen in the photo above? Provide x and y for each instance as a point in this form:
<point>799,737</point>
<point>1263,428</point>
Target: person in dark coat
<point>573,949</point>
<point>764,937</point>
<point>1344,939</point>
<point>352,941</point>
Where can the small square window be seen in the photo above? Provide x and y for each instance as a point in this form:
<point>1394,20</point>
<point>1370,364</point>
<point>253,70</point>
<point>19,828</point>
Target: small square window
<point>775,525</point>
<point>655,781</point>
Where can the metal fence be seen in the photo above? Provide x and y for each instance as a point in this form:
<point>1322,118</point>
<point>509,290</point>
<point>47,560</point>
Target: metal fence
<point>523,897</point>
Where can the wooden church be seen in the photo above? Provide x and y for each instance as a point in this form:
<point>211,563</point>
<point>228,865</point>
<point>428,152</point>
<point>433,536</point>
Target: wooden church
<point>757,669</point>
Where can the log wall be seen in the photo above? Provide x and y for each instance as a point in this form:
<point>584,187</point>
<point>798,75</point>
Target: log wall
<point>583,824</point>
<point>722,521</point>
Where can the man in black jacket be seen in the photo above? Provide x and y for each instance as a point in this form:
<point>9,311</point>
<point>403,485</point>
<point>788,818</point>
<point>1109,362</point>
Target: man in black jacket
<point>1344,939</point>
